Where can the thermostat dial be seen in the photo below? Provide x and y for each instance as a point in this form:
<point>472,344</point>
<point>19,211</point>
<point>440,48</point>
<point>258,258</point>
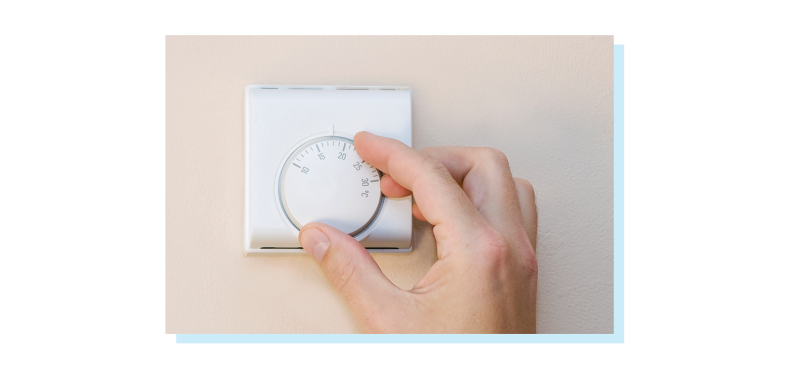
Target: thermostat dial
<point>325,180</point>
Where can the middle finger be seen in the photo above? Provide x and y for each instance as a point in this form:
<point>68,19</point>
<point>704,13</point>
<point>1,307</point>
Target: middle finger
<point>485,177</point>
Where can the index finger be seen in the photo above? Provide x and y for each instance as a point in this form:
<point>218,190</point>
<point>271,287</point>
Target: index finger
<point>441,200</point>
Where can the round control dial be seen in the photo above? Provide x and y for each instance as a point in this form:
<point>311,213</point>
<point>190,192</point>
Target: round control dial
<point>326,181</point>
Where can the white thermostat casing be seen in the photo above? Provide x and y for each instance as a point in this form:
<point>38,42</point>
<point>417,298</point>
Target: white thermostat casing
<point>301,165</point>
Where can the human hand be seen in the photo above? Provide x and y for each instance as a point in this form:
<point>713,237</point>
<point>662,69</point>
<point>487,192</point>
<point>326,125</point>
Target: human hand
<point>484,280</point>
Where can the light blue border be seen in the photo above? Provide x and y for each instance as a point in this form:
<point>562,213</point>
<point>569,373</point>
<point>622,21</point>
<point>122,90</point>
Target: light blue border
<point>397,338</point>
<point>618,272</point>
<point>618,194</point>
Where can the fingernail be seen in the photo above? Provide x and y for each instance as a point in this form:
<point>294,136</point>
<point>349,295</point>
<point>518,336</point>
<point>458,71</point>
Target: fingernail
<point>314,242</point>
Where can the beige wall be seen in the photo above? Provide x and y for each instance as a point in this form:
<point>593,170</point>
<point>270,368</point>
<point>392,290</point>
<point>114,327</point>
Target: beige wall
<point>547,102</point>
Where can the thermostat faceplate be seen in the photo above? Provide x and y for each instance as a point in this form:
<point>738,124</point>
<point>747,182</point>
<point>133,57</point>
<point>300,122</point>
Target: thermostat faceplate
<point>301,165</point>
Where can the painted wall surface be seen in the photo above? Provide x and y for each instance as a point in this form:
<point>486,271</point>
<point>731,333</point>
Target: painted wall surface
<point>547,102</point>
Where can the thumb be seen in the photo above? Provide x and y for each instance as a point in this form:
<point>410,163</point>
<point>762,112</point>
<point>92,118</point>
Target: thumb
<point>350,268</point>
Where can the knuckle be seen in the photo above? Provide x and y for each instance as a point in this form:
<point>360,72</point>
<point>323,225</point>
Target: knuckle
<point>532,264</point>
<point>433,168</point>
<point>529,258</point>
<point>495,156</point>
<point>497,252</point>
<point>432,165</point>
<point>494,247</point>
<point>525,186</point>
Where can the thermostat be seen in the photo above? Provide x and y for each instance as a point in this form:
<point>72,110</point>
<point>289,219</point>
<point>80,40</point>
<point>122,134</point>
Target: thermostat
<point>301,165</point>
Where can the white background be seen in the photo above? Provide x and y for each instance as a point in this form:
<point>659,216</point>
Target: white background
<point>707,188</point>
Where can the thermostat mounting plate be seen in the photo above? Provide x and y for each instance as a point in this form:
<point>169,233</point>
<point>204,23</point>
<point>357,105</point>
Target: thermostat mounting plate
<point>301,165</point>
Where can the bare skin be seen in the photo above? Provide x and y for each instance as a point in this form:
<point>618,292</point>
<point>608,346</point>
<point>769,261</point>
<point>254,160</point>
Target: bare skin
<point>484,280</point>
